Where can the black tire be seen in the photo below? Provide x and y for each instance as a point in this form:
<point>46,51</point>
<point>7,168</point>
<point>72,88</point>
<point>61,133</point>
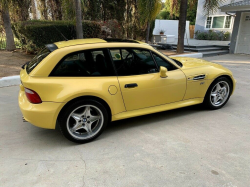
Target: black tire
<point>208,102</point>
<point>66,117</point>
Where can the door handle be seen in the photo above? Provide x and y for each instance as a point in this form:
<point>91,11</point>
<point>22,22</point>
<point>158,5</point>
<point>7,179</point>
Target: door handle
<point>132,85</point>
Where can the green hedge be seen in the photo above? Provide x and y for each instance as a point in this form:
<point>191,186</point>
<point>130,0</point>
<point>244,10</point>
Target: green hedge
<point>212,35</point>
<point>34,34</point>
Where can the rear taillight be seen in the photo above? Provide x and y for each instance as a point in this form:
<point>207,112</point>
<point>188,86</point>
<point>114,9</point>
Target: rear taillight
<point>32,96</point>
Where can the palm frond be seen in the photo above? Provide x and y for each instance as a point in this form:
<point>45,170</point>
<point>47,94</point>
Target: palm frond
<point>148,10</point>
<point>211,6</point>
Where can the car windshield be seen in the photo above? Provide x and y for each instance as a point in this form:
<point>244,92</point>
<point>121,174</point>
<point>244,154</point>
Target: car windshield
<point>176,61</point>
<point>37,59</point>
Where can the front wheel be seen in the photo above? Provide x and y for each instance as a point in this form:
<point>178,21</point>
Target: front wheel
<point>83,121</point>
<point>218,93</point>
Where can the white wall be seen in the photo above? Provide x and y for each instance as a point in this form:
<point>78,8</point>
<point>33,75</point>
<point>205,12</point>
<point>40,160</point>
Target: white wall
<point>201,16</point>
<point>170,27</point>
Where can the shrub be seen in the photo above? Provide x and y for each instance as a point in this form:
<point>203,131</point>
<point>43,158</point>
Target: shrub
<point>212,35</point>
<point>227,36</point>
<point>34,34</point>
<point>201,35</point>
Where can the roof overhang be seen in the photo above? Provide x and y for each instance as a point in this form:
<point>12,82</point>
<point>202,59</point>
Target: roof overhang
<point>235,8</point>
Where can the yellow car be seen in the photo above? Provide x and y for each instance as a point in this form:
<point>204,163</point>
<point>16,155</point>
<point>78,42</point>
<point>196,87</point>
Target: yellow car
<point>82,85</point>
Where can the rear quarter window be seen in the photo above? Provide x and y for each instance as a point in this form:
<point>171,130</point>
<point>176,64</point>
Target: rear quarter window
<point>37,59</point>
<point>86,63</point>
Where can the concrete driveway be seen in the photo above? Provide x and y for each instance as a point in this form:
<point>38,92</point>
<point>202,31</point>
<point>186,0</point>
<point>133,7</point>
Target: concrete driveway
<point>184,147</point>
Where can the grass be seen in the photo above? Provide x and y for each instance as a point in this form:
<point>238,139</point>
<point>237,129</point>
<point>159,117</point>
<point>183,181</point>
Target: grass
<point>3,43</point>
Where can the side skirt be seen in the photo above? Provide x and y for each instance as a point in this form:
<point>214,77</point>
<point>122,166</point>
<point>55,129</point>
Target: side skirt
<point>160,108</point>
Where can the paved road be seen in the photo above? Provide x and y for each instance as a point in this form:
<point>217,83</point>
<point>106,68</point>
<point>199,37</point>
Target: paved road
<point>184,147</point>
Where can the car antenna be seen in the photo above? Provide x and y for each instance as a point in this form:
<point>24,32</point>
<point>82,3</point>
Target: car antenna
<point>61,34</point>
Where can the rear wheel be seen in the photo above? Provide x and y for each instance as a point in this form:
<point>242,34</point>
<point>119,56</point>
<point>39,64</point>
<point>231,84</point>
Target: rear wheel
<point>218,93</point>
<point>83,121</point>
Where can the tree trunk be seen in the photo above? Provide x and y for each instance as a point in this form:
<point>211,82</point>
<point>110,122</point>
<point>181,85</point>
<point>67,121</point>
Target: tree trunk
<point>148,30</point>
<point>59,9</point>
<point>24,7</point>
<point>33,9</point>
<point>182,26</point>
<point>43,9</point>
<point>127,20</point>
<point>55,9</point>
<point>79,32</point>
<point>10,44</point>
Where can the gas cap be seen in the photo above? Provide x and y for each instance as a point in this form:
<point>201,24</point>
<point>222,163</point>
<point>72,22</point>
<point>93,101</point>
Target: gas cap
<point>112,90</point>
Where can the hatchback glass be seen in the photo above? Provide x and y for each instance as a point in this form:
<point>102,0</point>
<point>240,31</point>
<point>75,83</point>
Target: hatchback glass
<point>37,59</point>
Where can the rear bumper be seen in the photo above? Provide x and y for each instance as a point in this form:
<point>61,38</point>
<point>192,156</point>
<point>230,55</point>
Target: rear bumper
<point>42,115</point>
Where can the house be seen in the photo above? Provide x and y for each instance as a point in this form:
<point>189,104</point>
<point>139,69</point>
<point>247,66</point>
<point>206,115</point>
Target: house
<point>240,39</point>
<point>233,16</point>
<point>218,21</point>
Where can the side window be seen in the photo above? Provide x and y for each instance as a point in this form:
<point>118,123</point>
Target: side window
<point>84,64</point>
<point>162,62</point>
<point>131,61</point>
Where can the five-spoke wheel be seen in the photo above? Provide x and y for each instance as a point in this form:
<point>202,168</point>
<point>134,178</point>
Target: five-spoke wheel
<point>218,93</point>
<point>83,121</point>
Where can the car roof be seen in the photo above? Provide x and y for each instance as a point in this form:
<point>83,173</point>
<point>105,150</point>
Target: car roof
<point>61,44</point>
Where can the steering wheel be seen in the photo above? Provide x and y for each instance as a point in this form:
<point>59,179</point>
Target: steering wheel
<point>129,62</point>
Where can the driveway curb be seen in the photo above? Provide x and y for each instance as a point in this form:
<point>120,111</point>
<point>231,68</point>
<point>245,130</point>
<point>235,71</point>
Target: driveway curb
<point>193,55</point>
<point>9,81</point>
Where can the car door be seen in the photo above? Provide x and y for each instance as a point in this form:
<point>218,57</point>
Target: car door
<point>87,73</point>
<point>140,82</point>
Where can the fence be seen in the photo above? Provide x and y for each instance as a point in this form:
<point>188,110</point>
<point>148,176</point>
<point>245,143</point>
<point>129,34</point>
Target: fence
<point>191,30</point>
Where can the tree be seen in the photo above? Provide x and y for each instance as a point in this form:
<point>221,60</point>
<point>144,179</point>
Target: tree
<point>180,7</point>
<point>33,9</point>
<point>55,9</point>
<point>43,8</point>
<point>148,10</point>
<point>4,10</point>
<point>21,9</point>
<point>191,11</point>
<point>79,32</point>
<point>68,10</point>
<point>182,26</point>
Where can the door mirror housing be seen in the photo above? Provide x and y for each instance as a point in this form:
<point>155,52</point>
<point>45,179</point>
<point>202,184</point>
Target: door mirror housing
<point>163,72</point>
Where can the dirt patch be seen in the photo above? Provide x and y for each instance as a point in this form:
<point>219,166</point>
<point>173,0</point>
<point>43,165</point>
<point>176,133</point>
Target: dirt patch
<point>11,62</point>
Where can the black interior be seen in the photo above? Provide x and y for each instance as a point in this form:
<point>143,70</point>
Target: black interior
<point>127,61</point>
<point>135,63</point>
<point>84,64</point>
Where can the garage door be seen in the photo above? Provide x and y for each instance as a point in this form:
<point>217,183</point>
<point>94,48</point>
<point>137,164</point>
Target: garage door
<point>243,45</point>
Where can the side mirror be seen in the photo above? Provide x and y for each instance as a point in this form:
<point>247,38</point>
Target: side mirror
<point>163,72</point>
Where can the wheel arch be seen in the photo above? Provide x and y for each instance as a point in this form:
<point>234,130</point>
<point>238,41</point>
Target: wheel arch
<point>226,76</point>
<point>103,102</point>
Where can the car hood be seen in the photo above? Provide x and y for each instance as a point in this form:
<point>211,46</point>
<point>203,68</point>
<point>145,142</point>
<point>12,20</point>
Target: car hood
<point>194,62</point>
<point>193,66</point>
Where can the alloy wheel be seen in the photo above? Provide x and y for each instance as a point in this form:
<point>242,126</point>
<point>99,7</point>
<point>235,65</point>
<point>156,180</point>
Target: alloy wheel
<point>85,122</point>
<point>219,93</point>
